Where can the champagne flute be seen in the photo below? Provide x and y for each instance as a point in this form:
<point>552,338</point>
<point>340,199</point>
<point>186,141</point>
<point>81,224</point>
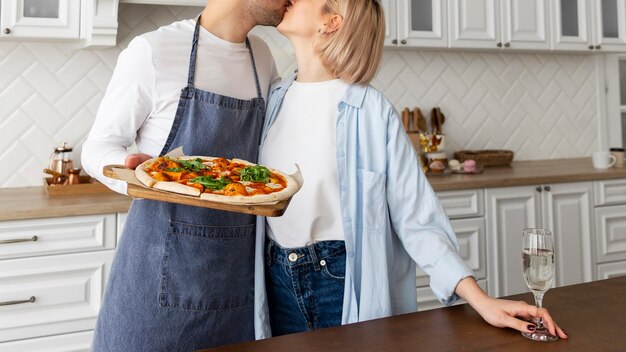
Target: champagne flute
<point>538,268</point>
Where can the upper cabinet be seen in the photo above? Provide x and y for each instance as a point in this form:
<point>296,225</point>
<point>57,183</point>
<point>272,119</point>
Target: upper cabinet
<point>422,23</point>
<point>562,25</point>
<point>501,24</point>
<point>42,19</point>
<point>589,25</point>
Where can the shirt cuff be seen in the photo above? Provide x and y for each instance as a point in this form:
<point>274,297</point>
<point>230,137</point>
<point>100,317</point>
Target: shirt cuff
<point>446,275</point>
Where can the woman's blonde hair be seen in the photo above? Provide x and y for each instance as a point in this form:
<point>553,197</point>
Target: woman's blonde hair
<point>353,52</point>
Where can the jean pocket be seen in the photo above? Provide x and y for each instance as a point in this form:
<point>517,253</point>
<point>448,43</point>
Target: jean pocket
<point>374,201</point>
<point>334,266</point>
<point>207,267</point>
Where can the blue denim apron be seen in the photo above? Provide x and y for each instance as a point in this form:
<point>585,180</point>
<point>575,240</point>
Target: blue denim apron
<point>183,277</point>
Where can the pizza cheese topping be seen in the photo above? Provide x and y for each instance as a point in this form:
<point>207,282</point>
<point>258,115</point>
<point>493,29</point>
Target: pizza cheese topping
<point>217,176</point>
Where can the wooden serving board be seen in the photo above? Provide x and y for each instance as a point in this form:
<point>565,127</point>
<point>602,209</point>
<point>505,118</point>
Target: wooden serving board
<point>136,191</point>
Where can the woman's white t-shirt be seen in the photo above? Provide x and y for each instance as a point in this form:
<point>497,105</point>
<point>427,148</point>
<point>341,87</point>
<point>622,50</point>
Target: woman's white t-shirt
<point>304,133</point>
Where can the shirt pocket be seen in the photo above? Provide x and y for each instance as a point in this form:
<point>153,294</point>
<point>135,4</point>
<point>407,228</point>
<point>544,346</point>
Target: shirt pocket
<point>207,267</point>
<point>373,201</point>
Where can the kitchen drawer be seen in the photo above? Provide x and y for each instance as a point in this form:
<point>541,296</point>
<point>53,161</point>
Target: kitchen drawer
<point>426,299</point>
<point>611,270</point>
<point>77,342</point>
<point>471,236</point>
<point>610,192</point>
<point>121,221</point>
<point>462,204</point>
<point>610,233</point>
<point>57,235</point>
<point>67,289</point>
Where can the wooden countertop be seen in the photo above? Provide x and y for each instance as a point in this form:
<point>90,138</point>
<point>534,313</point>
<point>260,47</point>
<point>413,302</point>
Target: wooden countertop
<point>524,173</point>
<point>33,203</point>
<point>594,315</point>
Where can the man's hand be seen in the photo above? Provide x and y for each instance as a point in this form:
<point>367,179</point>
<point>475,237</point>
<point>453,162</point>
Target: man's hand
<point>133,160</point>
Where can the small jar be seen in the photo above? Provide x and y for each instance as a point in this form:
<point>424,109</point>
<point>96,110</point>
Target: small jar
<point>74,178</point>
<point>438,156</point>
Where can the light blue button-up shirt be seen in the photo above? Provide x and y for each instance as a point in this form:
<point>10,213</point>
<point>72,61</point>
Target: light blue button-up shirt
<point>392,218</point>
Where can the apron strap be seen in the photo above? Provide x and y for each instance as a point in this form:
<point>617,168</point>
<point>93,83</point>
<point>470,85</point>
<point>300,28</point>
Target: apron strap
<point>256,76</point>
<point>194,54</point>
<point>192,57</point>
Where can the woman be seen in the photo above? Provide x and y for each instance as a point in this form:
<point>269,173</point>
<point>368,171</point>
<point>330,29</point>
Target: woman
<point>345,249</point>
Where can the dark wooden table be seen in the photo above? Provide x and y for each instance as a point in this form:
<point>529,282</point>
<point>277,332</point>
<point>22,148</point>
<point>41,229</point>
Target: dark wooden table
<point>594,315</point>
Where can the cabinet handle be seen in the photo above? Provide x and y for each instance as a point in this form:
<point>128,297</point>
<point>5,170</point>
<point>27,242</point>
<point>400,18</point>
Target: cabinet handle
<point>499,45</point>
<point>395,41</point>
<point>546,188</point>
<point>7,31</point>
<point>598,47</point>
<point>590,47</point>
<point>538,189</point>
<point>12,303</point>
<point>403,41</point>
<point>507,45</point>
<point>19,240</point>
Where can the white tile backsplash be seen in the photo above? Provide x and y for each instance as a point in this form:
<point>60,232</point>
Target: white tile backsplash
<point>541,106</point>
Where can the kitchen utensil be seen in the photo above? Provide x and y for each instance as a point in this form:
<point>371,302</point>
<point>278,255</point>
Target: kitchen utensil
<point>419,122</point>
<point>60,159</point>
<point>440,120</point>
<point>57,177</point>
<point>406,119</point>
<point>74,177</point>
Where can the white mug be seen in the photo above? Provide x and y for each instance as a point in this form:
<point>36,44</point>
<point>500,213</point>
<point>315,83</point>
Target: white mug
<point>601,160</point>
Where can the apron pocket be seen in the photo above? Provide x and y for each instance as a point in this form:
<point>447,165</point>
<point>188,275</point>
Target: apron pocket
<point>208,267</point>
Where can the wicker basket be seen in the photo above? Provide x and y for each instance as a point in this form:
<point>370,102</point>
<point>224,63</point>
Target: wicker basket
<point>486,157</point>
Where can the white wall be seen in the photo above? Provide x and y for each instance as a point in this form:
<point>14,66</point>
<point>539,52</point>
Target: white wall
<point>540,106</point>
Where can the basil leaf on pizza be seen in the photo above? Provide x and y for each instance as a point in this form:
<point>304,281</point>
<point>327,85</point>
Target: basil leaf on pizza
<point>258,173</point>
<point>224,180</point>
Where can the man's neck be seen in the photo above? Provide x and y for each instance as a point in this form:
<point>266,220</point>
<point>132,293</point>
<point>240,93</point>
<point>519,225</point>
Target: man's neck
<point>226,20</point>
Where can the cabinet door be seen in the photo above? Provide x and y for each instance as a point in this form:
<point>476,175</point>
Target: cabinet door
<point>77,342</point>
<point>41,19</point>
<point>610,233</point>
<point>508,211</point>
<point>567,210</point>
<point>422,23</point>
<point>609,25</point>
<point>525,24</point>
<point>475,24</point>
<point>571,25</point>
<point>610,270</point>
<point>391,31</point>
<point>471,236</point>
<point>67,291</point>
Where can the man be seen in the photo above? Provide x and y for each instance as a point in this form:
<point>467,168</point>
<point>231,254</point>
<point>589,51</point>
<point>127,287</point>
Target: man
<point>183,277</point>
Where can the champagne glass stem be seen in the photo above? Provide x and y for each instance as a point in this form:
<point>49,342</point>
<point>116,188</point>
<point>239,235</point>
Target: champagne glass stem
<point>539,304</point>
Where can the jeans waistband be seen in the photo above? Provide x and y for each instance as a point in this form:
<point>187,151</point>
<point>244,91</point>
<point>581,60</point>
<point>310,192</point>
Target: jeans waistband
<point>303,255</point>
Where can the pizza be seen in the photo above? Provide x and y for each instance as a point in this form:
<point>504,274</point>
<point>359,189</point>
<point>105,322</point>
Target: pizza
<point>217,179</point>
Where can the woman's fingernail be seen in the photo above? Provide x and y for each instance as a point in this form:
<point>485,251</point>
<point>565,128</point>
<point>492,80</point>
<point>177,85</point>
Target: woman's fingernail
<point>531,327</point>
<point>564,331</point>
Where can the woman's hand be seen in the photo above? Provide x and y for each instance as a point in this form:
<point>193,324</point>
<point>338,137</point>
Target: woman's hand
<point>134,160</point>
<point>503,313</point>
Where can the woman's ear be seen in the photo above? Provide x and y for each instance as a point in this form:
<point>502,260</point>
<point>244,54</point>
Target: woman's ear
<point>333,24</point>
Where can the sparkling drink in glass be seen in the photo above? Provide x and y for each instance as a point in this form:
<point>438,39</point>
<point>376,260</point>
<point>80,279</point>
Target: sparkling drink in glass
<point>538,269</point>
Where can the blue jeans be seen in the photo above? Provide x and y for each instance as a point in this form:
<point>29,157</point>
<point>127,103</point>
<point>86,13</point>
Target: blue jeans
<point>305,286</point>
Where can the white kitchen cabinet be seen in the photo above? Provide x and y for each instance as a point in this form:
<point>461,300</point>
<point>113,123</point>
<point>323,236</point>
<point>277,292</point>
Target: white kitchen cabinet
<point>76,342</point>
<point>585,25</point>
<point>565,209</point>
<point>610,228</point>
<point>40,19</point>
<point>416,23</point>
<point>51,288</point>
<point>465,210</point>
<point>506,24</point>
